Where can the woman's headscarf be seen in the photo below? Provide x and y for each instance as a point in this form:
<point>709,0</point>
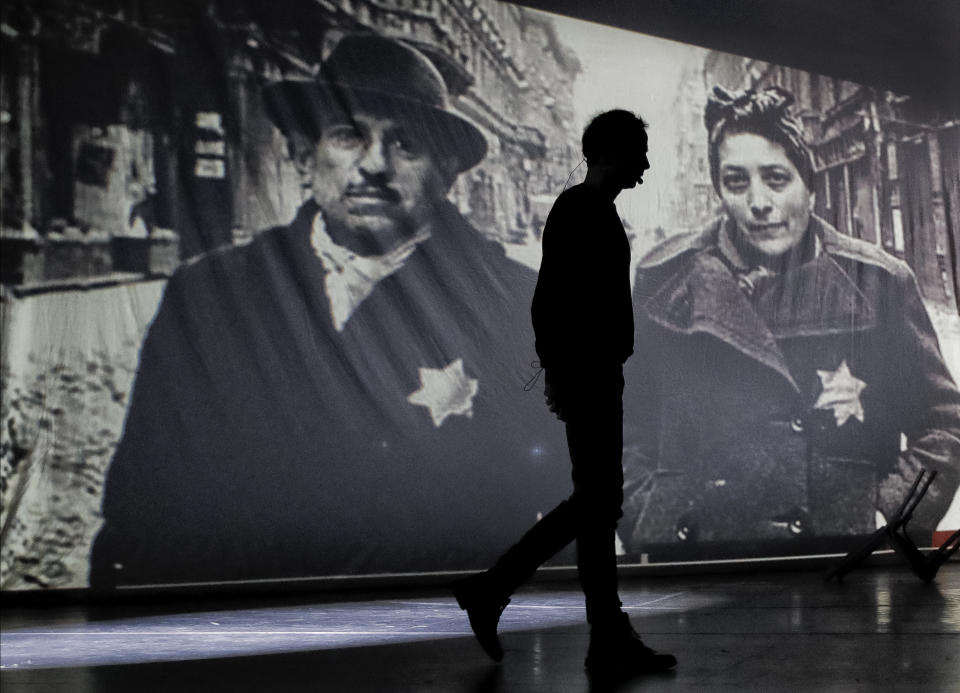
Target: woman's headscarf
<point>765,113</point>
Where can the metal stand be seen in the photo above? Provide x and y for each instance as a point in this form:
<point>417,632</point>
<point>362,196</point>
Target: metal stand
<point>895,533</point>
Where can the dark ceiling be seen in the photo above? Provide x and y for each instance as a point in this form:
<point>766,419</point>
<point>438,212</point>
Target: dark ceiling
<point>908,46</point>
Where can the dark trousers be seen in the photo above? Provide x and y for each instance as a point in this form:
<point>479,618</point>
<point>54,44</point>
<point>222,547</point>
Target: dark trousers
<point>593,411</point>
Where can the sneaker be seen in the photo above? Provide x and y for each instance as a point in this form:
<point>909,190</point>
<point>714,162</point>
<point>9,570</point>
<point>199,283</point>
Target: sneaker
<point>483,608</point>
<point>616,651</point>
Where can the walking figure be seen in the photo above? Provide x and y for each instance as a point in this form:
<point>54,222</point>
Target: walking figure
<point>583,320</point>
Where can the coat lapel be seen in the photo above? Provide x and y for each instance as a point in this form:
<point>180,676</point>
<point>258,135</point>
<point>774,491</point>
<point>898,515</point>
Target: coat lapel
<point>705,298</point>
<point>818,298</point>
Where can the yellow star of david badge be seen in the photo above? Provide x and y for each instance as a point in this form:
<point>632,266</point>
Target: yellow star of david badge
<point>841,393</point>
<point>445,391</point>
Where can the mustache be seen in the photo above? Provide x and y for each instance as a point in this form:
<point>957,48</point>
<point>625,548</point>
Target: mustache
<point>383,192</point>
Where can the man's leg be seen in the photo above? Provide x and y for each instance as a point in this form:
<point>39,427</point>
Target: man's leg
<point>595,439</point>
<point>484,596</point>
<point>594,416</point>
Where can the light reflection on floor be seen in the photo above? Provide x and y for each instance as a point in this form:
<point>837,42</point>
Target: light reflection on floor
<point>211,634</point>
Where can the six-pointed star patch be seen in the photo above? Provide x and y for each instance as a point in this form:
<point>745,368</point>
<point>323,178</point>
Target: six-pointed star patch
<point>445,391</point>
<point>841,393</point>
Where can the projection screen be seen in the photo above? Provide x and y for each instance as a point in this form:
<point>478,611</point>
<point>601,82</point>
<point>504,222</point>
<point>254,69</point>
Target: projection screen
<point>266,280</point>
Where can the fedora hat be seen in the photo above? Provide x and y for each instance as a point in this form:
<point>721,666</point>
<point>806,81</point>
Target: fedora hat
<point>365,72</point>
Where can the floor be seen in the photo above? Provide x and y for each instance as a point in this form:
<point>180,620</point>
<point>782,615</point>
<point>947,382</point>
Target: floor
<point>880,629</point>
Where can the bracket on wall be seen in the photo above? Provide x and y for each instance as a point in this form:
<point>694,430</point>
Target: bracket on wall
<point>895,534</point>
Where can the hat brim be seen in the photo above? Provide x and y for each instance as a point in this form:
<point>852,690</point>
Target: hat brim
<point>298,105</point>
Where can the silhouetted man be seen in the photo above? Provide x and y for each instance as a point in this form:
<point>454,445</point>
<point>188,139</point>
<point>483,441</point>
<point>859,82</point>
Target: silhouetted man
<point>583,319</point>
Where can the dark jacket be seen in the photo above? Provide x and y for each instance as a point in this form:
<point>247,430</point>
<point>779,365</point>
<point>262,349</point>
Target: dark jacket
<point>781,414</point>
<point>261,442</point>
<point>582,308</point>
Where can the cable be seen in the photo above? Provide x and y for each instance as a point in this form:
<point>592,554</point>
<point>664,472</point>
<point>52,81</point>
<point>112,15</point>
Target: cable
<point>571,174</point>
<point>529,385</point>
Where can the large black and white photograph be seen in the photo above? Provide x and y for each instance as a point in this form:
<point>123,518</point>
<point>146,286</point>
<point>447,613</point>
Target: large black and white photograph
<point>267,272</point>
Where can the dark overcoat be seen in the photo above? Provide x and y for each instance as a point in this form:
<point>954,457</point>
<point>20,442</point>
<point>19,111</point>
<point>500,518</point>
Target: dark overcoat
<point>782,414</point>
<point>262,442</point>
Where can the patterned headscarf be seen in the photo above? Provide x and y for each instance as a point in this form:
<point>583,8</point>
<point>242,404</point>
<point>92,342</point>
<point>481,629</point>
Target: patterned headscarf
<point>765,113</point>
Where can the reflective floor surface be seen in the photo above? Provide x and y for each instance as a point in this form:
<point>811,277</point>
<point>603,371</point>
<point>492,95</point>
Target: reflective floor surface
<point>881,629</point>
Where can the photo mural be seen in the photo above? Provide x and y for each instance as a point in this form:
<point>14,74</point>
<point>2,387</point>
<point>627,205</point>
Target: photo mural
<point>267,273</point>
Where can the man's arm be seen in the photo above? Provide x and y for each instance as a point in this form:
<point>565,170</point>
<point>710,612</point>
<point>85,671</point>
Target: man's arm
<point>554,303</point>
<point>550,307</point>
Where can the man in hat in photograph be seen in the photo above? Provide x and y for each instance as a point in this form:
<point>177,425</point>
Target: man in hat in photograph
<point>334,397</point>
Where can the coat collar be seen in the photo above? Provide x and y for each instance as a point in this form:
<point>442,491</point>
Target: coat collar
<point>285,254</point>
<point>817,298</point>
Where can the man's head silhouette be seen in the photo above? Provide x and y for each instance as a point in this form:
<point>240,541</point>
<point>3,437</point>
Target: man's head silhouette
<point>615,147</point>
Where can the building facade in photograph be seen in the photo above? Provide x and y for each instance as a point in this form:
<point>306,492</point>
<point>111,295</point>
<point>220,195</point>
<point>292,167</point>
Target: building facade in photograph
<point>134,137</point>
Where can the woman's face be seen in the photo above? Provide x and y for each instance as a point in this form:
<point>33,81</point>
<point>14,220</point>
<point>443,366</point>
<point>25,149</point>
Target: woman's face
<point>763,192</point>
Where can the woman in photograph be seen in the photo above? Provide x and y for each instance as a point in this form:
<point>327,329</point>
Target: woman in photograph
<point>791,385</point>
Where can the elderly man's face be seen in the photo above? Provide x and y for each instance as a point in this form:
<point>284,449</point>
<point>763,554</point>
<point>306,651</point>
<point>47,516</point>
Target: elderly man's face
<point>764,193</point>
<point>374,178</point>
